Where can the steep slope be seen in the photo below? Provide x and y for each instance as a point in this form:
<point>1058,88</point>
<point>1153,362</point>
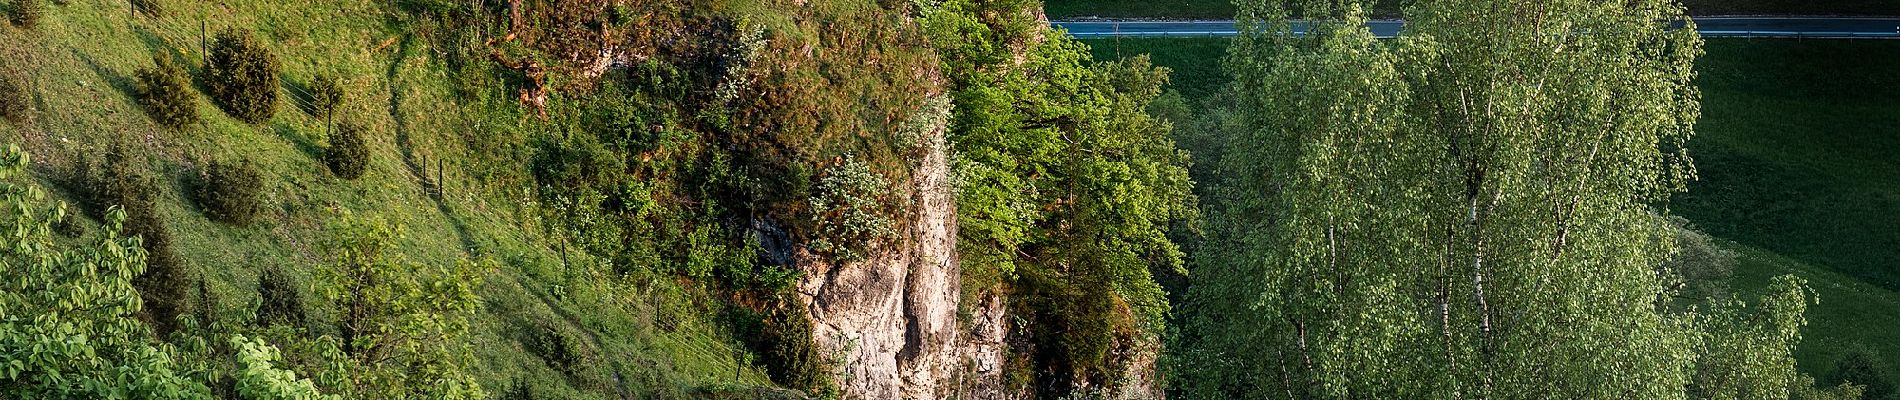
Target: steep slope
<point>460,103</point>
<point>892,318</point>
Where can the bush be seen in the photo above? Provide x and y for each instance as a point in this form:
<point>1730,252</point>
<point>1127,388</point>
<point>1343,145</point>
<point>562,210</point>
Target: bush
<point>27,13</point>
<point>348,154</point>
<point>280,301</point>
<point>231,193</point>
<point>121,180</point>
<point>1861,368</point>
<point>518,390</point>
<point>848,212</point>
<point>388,308</point>
<point>15,100</point>
<point>164,91</point>
<point>556,347</point>
<point>1700,268</point>
<point>242,76</point>
<point>68,332</point>
<point>325,96</point>
<point>790,356</point>
<point>259,378</point>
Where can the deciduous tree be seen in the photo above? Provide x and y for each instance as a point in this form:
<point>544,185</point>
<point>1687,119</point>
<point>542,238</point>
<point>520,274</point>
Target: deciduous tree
<point>1470,210</point>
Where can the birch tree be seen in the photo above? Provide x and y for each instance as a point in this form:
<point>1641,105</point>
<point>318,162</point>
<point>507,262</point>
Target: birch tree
<point>1468,211</point>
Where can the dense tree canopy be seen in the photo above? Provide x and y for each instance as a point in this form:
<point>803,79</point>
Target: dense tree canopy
<point>1468,211</point>
<point>1068,189</point>
<point>67,326</point>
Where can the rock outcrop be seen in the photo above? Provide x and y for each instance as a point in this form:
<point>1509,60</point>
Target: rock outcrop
<point>890,322</point>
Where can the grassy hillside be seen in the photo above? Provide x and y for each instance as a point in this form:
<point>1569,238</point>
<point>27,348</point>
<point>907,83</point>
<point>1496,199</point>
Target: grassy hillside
<point>1852,315</point>
<point>450,162</point>
<point>1795,157</point>
<point>1794,153</point>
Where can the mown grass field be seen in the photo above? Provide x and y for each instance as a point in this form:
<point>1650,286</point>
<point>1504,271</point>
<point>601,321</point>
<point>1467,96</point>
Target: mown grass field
<point>1797,174</point>
<point>648,340</point>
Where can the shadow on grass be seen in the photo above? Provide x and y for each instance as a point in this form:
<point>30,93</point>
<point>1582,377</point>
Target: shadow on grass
<point>119,82</point>
<point>305,143</point>
<point>300,96</point>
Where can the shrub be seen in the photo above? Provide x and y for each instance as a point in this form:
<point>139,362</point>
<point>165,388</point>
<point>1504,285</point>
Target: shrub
<point>519,389</point>
<point>231,193</point>
<point>242,76</point>
<point>164,91</point>
<point>1861,368</point>
<point>68,331</point>
<point>790,356</point>
<point>1700,268</point>
<point>388,308</point>
<point>259,378</point>
<point>556,347</point>
<point>848,212</point>
<point>325,96</point>
<point>280,301</point>
<point>348,154</point>
<point>68,226</point>
<point>120,180</point>
<point>27,13</point>
<point>14,97</point>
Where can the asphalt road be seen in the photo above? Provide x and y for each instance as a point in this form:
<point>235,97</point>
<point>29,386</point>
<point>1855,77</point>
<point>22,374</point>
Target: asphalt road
<point>1871,28</point>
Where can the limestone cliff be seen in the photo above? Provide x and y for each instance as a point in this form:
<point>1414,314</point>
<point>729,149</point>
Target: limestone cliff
<point>890,322</point>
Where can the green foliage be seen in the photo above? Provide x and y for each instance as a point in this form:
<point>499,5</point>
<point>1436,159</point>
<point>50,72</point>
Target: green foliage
<point>738,74</point>
<point>281,300</point>
<point>164,91</point>
<point>27,13</point>
<point>1861,368</point>
<point>1700,269</point>
<point>922,127</point>
<point>241,74</point>
<point>16,98</point>
<point>557,347</point>
<point>121,180</point>
<point>790,356</point>
<point>850,219</point>
<point>519,389</point>
<point>1465,213</point>
<point>348,154</point>
<point>1067,189</point>
<point>68,330</point>
<point>326,94</point>
<point>577,163</point>
<point>400,324</point>
<point>1749,349</point>
<point>232,193</point>
<point>259,379</point>
<point>1797,186</point>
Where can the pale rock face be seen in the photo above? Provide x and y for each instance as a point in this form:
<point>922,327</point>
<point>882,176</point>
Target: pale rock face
<point>890,321</point>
